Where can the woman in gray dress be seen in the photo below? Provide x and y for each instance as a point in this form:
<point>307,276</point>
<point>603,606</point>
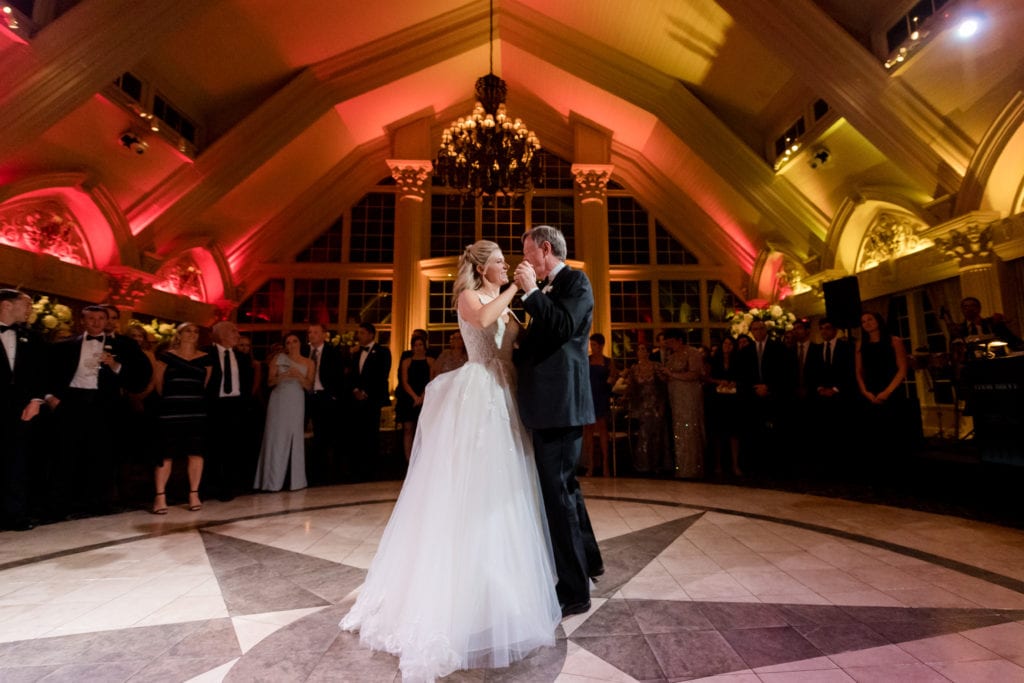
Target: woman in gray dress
<point>683,372</point>
<point>283,454</point>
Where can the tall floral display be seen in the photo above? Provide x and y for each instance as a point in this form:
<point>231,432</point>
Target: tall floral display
<point>777,320</point>
<point>50,318</point>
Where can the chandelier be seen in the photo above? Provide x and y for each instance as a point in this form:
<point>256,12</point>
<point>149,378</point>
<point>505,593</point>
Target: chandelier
<point>488,152</point>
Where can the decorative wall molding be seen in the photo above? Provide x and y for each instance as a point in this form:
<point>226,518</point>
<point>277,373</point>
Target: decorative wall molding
<point>889,237</point>
<point>182,276</point>
<point>45,227</point>
<point>127,286</point>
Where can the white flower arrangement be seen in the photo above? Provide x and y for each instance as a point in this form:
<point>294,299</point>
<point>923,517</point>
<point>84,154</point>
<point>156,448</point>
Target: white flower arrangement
<point>777,320</point>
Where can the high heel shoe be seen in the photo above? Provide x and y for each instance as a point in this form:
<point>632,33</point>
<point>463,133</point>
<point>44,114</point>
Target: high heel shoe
<point>158,509</point>
<point>194,507</point>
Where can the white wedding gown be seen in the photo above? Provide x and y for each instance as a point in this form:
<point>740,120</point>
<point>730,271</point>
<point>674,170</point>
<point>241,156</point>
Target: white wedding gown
<point>464,577</point>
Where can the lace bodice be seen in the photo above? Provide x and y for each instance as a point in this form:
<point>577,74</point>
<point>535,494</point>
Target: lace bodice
<point>492,343</point>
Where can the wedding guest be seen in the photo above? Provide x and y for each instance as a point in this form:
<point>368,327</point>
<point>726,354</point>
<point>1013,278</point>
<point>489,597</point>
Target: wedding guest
<point>182,374</point>
<point>881,367</point>
<point>245,346</point>
<point>22,391</point>
<point>324,406</point>
<point>87,375</point>
<point>602,377</point>
<point>683,372</point>
<point>283,454</point>
<point>414,374</point>
<point>452,358</point>
<point>648,400</point>
<point>763,386</point>
<point>368,395</point>
<point>723,409</point>
<point>976,326</point>
<point>230,463</point>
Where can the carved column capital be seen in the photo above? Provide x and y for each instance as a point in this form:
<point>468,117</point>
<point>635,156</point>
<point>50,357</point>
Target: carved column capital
<point>592,181</point>
<point>412,176</point>
<point>969,246</point>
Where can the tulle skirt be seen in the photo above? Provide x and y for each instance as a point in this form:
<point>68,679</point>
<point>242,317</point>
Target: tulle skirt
<point>463,577</point>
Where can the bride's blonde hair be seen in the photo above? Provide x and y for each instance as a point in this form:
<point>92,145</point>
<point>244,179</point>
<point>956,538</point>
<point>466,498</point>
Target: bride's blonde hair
<point>469,277</point>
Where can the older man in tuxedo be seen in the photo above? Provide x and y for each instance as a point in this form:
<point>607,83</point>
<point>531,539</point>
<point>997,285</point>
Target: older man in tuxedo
<point>555,403</point>
<point>368,393</point>
<point>87,377</point>
<point>230,462</point>
<point>22,390</point>
<point>323,405</point>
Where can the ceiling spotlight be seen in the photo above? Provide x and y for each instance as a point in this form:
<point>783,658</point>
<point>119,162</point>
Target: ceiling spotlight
<point>968,27</point>
<point>133,142</point>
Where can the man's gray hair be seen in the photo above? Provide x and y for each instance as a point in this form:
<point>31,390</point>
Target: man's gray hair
<point>545,233</point>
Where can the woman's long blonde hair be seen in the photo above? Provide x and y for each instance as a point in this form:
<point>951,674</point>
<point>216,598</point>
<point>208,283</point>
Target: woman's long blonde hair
<point>468,277</point>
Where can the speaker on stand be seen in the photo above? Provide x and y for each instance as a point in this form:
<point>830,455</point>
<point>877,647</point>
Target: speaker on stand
<point>842,302</point>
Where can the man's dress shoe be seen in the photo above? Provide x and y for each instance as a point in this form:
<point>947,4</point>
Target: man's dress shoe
<point>577,608</point>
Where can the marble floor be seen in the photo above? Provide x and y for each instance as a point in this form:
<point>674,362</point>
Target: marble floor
<point>703,582</point>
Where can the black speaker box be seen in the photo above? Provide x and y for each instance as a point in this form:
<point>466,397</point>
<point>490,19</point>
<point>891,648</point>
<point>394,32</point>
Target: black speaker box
<point>842,302</point>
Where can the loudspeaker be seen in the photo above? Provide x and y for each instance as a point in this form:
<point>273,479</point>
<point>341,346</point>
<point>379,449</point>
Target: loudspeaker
<point>842,302</point>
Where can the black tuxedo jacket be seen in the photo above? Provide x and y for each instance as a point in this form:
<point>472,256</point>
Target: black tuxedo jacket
<point>135,373</point>
<point>838,375</point>
<point>333,369</point>
<point>27,379</point>
<point>246,373</point>
<point>776,369</point>
<point>554,372</point>
<point>373,379</point>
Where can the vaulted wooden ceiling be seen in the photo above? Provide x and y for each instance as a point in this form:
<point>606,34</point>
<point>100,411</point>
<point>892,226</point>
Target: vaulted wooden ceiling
<point>295,101</point>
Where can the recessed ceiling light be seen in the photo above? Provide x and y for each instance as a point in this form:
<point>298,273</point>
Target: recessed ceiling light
<point>968,27</point>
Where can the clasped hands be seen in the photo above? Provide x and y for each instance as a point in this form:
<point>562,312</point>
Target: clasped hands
<point>525,277</point>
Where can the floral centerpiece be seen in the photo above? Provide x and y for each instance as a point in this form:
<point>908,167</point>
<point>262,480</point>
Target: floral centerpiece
<point>159,332</point>
<point>345,340</point>
<point>777,320</point>
<point>50,318</point>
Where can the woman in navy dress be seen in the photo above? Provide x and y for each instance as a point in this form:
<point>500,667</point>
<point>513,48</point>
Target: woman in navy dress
<point>413,374</point>
<point>181,374</point>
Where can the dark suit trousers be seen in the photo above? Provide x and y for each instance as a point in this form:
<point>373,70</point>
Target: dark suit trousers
<point>229,464</point>
<point>362,431</point>
<point>14,477</point>
<point>321,465</point>
<point>84,475</point>
<point>557,452</point>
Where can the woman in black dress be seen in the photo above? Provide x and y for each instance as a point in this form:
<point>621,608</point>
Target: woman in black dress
<point>881,366</point>
<point>414,374</point>
<point>724,407</point>
<point>602,377</point>
<point>181,375</point>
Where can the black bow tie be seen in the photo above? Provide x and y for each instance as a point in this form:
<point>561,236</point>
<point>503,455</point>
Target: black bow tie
<point>90,337</point>
<point>4,328</point>
<point>364,348</point>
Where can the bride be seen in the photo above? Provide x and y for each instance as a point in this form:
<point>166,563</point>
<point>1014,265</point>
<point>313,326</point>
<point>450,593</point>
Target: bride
<point>463,577</point>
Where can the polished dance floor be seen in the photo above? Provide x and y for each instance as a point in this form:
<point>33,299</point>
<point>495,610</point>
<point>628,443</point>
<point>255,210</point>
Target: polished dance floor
<point>703,582</point>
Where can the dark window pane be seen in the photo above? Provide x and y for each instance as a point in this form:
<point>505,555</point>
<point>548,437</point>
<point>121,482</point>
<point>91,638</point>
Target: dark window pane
<point>679,301</point>
<point>452,224</point>
<point>503,222</point>
<point>722,301</point>
<point>369,301</point>
<point>631,302</point>
<point>669,250</point>
<point>326,248</point>
<point>373,229</point>
<point>266,305</point>
<point>628,241</point>
<point>316,301</point>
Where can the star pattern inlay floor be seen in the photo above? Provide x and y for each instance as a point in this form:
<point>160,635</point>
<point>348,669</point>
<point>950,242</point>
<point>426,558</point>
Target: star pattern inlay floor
<point>701,582</point>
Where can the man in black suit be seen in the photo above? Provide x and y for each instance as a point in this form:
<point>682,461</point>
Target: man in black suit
<point>368,393</point>
<point>323,406</point>
<point>229,467</point>
<point>830,377</point>
<point>88,375</point>
<point>22,390</point>
<point>765,385</point>
<point>555,403</point>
